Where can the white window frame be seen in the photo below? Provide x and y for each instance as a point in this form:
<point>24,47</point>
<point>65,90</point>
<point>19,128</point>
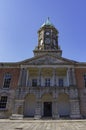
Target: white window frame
<point>47,82</point>
<point>7,80</point>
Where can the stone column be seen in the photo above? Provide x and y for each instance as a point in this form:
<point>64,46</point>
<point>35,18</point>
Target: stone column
<point>27,77</point>
<point>54,77</point>
<point>20,78</point>
<point>24,75</point>
<point>68,76</point>
<point>74,108</point>
<point>39,77</point>
<point>74,78</point>
<point>18,92</point>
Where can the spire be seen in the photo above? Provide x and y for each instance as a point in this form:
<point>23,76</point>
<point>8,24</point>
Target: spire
<point>47,22</point>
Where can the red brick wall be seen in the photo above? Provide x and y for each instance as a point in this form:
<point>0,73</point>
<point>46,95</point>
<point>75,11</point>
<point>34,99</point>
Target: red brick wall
<point>79,72</point>
<point>82,94</point>
<point>15,76</point>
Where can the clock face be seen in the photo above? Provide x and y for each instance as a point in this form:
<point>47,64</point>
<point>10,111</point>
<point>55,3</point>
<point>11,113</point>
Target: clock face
<point>47,40</point>
<point>47,33</point>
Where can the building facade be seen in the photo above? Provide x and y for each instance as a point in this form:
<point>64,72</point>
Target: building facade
<point>46,85</point>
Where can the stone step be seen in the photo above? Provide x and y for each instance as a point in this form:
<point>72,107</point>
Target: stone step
<point>16,117</point>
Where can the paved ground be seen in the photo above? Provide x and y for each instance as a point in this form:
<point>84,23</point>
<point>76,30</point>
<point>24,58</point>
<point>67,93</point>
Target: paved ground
<point>42,124</point>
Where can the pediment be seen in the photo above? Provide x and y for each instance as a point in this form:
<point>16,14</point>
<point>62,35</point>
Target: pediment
<point>46,59</point>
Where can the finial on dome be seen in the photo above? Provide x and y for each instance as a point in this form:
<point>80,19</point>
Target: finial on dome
<point>47,22</point>
<point>48,18</point>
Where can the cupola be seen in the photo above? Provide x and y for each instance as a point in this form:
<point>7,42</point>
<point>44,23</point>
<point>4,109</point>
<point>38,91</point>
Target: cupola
<point>47,39</point>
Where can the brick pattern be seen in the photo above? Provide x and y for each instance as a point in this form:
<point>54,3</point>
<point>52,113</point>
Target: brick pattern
<point>82,90</point>
<point>79,72</point>
<point>15,76</point>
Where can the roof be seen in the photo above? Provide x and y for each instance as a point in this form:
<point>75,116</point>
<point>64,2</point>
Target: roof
<point>46,59</point>
<point>47,22</point>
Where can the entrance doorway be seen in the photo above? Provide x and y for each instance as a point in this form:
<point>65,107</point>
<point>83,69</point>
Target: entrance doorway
<point>47,109</point>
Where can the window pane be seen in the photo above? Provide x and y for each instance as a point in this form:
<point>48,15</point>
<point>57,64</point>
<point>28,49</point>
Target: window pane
<point>60,82</point>
<point>47,82</point>
<point>34,82</point>
<point>3,101</point>
<point>7,80</point>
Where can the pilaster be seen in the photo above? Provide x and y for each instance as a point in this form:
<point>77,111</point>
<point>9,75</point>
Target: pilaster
<point>39,77</point>
<point>54,73</point>
<point>55,114</point>
<point>37,110</point>
<point>27,77</point>
<point>20,78</point>
<point>74,79</point>
<point>68,77</point>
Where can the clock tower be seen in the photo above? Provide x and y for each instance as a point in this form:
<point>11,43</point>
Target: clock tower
<point>48,40</point>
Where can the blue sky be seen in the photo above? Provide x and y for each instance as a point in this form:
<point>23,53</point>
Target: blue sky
<point>21,19</point>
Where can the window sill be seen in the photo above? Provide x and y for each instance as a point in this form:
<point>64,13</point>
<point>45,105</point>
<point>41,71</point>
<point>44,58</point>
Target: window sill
<point>5,88</point>
<point>3,109</point>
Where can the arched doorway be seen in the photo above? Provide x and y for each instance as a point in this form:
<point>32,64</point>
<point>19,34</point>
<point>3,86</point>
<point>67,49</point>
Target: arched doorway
<point>63,105</point>
<point>29,106</point>
<point>47,105</point>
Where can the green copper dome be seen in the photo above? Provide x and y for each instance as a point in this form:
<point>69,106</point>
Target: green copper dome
<point>47,22</point>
